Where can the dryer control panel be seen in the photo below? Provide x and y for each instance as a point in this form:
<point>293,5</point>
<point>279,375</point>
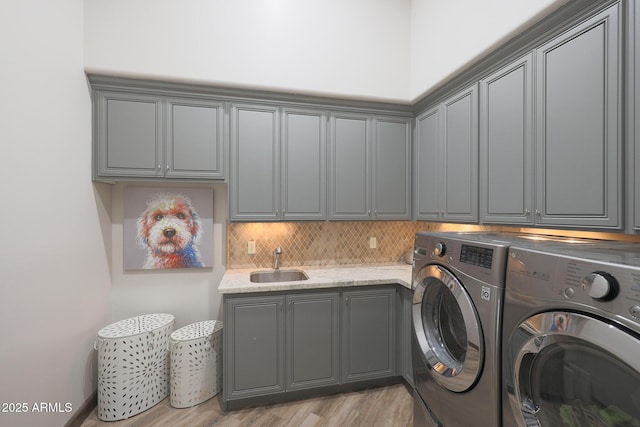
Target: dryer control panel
<point>574,280</point>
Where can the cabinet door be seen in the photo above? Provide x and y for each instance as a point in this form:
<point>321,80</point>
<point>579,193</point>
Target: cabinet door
<point>460,191</point>
<point>349,167</point>
<point>253,187</point>
<point>312,340</point>
<point>304,165</point>
<point>368,334</point>
<point>404,304</point>
<point>392,169</point>
<point>578,148</point>
<point>506,144</point>
<point>428,170</point>
<point>633,119</point>
<point>195,139</point>
<point>253,347</point>
<point>129,135</point>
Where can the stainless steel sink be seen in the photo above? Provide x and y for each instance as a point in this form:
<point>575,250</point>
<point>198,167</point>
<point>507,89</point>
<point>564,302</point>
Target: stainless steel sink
<point>277,276</point>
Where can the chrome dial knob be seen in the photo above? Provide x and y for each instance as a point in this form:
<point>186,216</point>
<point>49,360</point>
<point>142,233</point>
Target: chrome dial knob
<point>600,286</point>
<point>440,249</point>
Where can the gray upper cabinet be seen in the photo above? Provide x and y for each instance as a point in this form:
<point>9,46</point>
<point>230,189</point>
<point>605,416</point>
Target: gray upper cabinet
<point>446,187</point>
<point>278,168</point>
<point>195,139</point>
<point>578,141</point>
<point>255,163</point>
<point>392,168</point>
<point>369,167</point>
<point>506,144</point>
<point>128,141</point>
<point>304,169</point>
<point>149,136</point>
<point>427,166</point>
<point>349,159</point>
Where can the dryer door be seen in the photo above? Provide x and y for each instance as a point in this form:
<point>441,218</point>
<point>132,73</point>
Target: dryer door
<point>576,370</point>
<point>447,328</point>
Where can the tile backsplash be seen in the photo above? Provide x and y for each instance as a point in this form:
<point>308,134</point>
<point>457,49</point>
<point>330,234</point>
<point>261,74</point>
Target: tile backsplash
<point>347,242</point>
<point>321,243</point>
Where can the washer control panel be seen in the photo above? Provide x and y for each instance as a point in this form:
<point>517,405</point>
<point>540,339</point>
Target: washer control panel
<point>570,280</point>
<point>476,258</point>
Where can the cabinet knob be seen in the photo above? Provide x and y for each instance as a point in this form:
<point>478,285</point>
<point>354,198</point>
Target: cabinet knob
<point>527,212</point>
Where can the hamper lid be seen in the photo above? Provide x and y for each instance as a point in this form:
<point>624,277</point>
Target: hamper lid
<point>196,330</point>
<point>136,325</point>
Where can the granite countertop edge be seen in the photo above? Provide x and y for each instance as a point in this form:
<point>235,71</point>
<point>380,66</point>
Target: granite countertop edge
<point>236,281</point>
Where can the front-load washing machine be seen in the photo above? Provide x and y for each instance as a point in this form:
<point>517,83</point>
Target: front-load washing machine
<point>458,285</point>
<point>571,340</point>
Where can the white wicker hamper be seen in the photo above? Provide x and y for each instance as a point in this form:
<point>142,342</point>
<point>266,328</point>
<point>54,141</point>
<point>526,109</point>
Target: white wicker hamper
<point>196,363</point>
<point>133,365</point>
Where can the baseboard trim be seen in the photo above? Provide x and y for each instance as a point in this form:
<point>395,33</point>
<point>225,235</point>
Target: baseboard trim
<point>85,410</point>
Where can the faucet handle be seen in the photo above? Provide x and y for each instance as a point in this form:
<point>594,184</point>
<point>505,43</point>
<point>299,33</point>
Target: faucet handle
<point>278,251</point>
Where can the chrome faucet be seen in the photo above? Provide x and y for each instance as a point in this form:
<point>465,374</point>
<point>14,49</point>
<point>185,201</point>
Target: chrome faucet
<point>276,257</point>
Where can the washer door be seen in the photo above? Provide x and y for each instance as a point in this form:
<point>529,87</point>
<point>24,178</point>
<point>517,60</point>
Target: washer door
<point>573,369</point>
<point>447,328</point>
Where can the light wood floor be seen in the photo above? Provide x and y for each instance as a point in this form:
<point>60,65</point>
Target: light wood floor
<point>390,406</point>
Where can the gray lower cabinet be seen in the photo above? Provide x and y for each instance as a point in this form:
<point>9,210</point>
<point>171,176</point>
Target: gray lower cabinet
<point>303,340</point>
<point>138,135</point>
<point>312,346</point>
<point>506,144</point>
<point>368,334</point>
<point>278,163</point>
<point>578,136</point>
<point>253,342</point>
<point>369,167</point>
<point>446,160</point>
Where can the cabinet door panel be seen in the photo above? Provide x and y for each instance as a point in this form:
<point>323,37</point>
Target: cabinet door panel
<point>312,340</point>
<point>304,168</point>
<point>427,166</point>
<point>392,172</point>
<point>130,135</point>
<point>577,138</point>
<point>506,153</point>
<point>195,139</point>
<point>255,154</point>
<point>349,168</point>
<point>254,352</point>
<point>633,119</point>
<point>369,334</point>
<point>461,157</point>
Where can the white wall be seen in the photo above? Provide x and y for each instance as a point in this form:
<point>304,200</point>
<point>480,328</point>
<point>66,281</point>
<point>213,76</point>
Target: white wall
<point>355,48</point>
<point>446,35</point>
<point>55,240</point>
<point>393,50</point>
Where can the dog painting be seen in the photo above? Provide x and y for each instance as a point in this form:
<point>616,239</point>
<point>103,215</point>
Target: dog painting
<point>169,229</point>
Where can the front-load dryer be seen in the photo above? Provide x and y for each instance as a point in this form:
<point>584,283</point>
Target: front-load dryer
<point>458,286</point>
<point>571,340</point>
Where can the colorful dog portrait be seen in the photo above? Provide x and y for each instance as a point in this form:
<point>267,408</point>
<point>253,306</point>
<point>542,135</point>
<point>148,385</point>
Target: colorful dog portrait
<point>170,230</point>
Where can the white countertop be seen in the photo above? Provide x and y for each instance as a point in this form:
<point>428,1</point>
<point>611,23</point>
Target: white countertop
<point>237,281</point>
